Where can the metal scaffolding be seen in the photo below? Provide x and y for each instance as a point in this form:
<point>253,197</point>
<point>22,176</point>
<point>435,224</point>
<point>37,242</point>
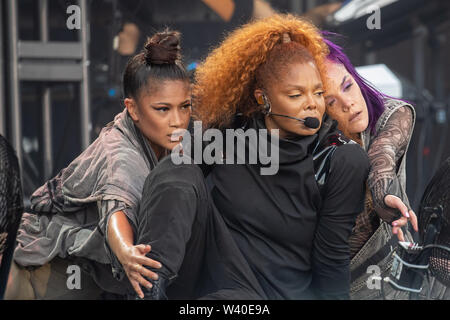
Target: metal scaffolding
<point>46,62</point>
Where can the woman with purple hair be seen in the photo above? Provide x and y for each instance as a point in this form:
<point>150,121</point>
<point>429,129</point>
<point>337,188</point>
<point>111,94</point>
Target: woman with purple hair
<point>383,126</point>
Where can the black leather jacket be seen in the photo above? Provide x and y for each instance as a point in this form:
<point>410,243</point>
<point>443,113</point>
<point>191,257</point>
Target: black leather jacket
<point>329,139</point>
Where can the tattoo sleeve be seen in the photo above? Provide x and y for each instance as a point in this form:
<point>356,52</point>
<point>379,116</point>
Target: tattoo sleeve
<point>385,153</point>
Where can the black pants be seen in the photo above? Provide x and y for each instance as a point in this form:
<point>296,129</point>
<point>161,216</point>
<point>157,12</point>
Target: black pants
<point>190,238</point>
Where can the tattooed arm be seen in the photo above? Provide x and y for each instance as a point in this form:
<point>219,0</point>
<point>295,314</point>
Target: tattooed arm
<point>385,154</point>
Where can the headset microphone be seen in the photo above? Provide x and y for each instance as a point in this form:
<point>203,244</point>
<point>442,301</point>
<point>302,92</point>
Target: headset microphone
<point>309,122</point>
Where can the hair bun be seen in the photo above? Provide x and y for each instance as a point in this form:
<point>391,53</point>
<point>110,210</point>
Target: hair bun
<point>163,48</point>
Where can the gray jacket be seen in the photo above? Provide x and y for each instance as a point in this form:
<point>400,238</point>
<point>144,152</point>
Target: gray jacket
<point>70,213</point>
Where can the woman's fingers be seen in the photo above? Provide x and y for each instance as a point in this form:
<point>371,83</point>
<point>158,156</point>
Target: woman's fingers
<point>137,261</point>
<point>396,227</point>
<point>149,274</point>
<point>414,220</point>
<point>144,248</point>
<point>400,222</point>
<point>398,231</point>
<point>145,272</point>
<point>136,287</point>
<point>137,281</point>
<point>400,235</point>
<point>136,271</point>
<point>396,203</point>
<point>148,262</point>
<point>141,280</point>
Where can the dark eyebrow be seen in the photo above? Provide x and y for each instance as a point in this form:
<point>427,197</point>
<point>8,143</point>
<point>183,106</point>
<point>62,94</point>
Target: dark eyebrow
<point>185,102</point>
<point>318,85</point>
<point>295,86</point>
<point>343,80</point>
<point>169,105</point>
<point>163,103</point>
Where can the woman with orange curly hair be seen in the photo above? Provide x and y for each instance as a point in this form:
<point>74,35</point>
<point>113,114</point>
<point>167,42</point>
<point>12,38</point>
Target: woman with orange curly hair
<point>248,235</point>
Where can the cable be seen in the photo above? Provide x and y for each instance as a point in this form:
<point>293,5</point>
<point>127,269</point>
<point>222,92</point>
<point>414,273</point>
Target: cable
<point>436,246</point>
<point>415,295</point>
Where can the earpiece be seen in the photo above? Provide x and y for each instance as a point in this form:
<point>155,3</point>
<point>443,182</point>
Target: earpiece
<point>262,100</point>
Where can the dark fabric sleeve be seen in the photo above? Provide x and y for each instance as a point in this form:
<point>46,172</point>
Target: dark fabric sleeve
<point>343,201</point>
<point>385,151</point>
<point>206,168</point>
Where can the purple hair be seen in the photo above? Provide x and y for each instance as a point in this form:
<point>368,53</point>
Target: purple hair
<point>374,98</point>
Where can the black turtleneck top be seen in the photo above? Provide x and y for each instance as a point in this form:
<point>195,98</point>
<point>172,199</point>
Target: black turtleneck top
<point>293,236</point>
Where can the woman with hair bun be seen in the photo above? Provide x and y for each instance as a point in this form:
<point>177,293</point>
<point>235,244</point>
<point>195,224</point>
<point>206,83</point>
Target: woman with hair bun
<point>255,236</point>
<point>85,219</point>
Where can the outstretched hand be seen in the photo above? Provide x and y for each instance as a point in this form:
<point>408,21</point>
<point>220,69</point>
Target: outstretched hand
<point>133,259</point>
<point>396,203</point>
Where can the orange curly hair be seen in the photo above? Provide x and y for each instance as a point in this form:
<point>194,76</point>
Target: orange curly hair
<point>225,80</point>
